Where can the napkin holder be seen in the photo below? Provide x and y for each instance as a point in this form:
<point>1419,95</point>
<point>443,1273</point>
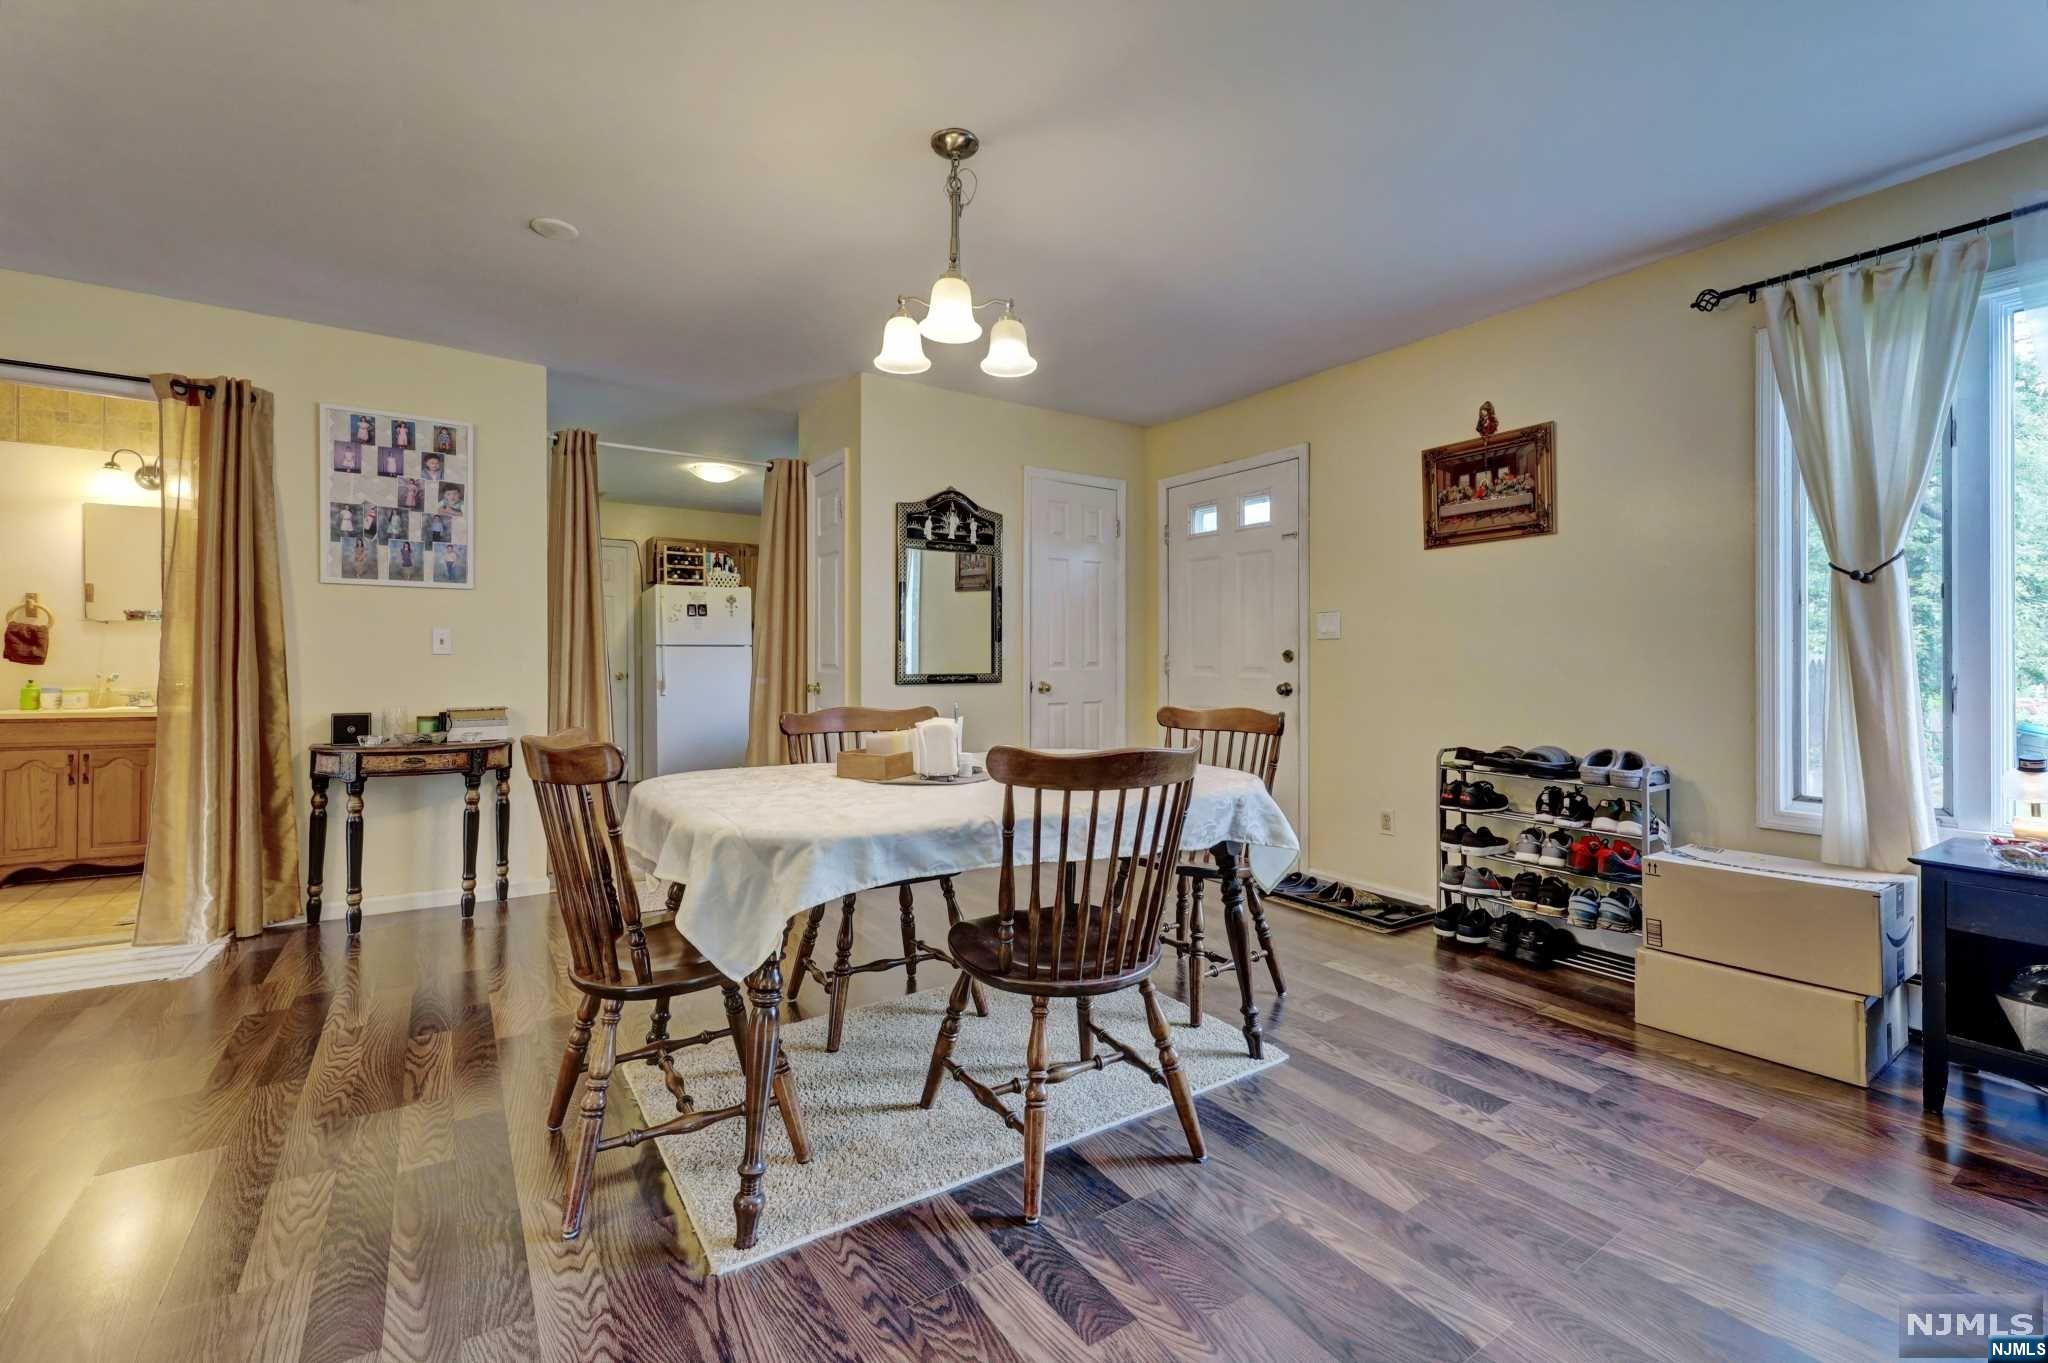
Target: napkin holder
<point>858,764</point>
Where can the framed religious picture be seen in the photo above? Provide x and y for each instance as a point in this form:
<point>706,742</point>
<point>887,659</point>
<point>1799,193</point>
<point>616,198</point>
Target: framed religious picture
<point>1500,486</point>
<point>973,572</point>
<point>397,499</point>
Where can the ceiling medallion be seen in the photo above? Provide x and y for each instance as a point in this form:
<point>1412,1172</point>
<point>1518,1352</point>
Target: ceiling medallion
<point>949,311</point>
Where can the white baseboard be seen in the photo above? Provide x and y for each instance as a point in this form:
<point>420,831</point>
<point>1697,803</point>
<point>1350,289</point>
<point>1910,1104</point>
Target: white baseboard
<point>334,901</point>
<point>100,967</point>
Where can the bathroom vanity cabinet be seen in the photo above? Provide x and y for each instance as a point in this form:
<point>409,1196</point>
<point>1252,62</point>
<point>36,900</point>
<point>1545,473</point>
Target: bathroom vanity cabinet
<point>74,788</point>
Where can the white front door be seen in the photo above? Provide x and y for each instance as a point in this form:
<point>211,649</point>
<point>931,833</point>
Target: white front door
<point>828,583</point>
<point>1233,583</point>
<point>1074,612</point>
<point>618,564</point>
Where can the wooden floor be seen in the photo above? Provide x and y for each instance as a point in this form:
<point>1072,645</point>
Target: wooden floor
<point>322,1153</point>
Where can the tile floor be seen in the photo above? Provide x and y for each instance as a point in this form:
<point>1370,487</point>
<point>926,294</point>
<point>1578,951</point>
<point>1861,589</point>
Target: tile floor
<point>60,913</point>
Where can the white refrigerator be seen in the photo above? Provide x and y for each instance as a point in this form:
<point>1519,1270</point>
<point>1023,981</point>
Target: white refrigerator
<point>698,655</point>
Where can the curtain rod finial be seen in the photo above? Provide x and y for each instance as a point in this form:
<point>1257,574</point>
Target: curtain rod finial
<point>1706,300</point>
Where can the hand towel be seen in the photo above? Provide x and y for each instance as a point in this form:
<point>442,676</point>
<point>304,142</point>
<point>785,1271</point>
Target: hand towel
<point>27,642</point>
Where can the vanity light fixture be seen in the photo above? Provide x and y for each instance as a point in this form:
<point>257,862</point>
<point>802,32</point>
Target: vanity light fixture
<point>712,472</point>
<point>949,311</point>
<point>112,478</point>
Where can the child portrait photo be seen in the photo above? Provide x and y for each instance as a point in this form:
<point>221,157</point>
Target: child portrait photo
<point>397,498</point>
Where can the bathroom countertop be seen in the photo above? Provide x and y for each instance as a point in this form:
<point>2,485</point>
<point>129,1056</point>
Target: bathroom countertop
<point>86,713</point>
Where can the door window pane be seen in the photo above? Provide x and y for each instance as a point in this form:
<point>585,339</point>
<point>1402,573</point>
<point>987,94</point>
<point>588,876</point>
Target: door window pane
<point>1202,519</point>
<point>1255,510</point>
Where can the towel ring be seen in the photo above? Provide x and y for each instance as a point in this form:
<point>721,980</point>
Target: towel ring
<point>31,606</point>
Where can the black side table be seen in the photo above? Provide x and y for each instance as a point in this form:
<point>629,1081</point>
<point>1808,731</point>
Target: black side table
<point>354,766</point>
<point>1979,921</point>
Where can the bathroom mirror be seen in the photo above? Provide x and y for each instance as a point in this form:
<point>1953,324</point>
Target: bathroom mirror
<point>123,562</point>
<point>949,591</point>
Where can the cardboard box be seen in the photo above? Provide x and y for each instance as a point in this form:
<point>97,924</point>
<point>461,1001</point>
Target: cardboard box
<point>1831,926</point>
<point>858,764</point>
<point>1822,1031</point>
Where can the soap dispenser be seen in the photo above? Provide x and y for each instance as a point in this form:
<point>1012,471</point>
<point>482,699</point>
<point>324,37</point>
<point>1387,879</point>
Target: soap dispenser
<point>31,696</point>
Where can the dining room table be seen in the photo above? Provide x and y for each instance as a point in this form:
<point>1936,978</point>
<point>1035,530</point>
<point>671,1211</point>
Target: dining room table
<point>746,849</point>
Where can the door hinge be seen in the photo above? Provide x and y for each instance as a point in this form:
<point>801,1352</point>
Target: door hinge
<point>1166,534</point>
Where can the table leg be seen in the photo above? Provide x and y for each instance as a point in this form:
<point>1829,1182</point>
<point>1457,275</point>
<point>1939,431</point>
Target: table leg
<point>471,799</point>
<point>352,826</point>
<point>504,835</point>
<point>764,1024</point>
<point>1232,889</point>
<point>1933,991</point>
<point>316,848</point>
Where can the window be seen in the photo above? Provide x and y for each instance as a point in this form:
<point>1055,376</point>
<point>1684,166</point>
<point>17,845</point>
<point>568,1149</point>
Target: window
<point>1255,510</point>
<point>1977,571</point>
<point>1202,519</point>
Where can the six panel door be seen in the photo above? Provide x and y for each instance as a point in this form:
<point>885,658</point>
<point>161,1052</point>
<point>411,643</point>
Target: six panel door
<point>38,805</point>
<point>113,802</point>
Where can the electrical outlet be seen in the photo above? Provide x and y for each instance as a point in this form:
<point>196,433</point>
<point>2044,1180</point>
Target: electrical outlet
<point>444,639</point>
<point>1387,822</point>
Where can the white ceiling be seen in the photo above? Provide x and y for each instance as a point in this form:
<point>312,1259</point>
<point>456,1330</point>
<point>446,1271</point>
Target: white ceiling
<point>1191,199</point>
<point>662,480</point>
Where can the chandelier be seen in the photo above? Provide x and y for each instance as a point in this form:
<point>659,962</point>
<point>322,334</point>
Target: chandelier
<point>949,312</point>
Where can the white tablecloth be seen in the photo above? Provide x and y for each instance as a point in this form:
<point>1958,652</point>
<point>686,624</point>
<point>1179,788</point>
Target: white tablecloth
<point>757,845</point>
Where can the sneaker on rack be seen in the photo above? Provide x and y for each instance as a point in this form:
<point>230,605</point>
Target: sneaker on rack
<point>1525,889</point>
<point>1607,816</point>
<point>1629,818</point>
<point>1481,795</point>
<point>1484,842</point>
<point>1619,911</point>
<point>1621,861</point>
<point>1557,850</point>
<point>1553,897</point>
<point>1538,946</point>
<point>1506,933</point>
<point>1452,877</point>
<point>1452,839</point>
<point>1473,926</point>
<point>1585,855</point>
<point>1548,804</point>
<point>1447,921</point>
<point>1453,796</point>
<point>1584,908</point>
<point>1529,846</point>
<point>1576,811</point>
<point>1479,880</point>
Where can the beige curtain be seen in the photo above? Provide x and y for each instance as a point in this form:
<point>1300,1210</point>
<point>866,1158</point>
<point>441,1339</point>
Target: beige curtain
<point>782,623</point>
<point>223,842</point>
<point>579,685</point>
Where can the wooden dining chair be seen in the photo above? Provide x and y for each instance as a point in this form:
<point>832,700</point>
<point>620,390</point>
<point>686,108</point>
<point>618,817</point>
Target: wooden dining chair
<point>1243,740</point>
<point>1088,928</point>
<point>593,888</point>
<point>820,736</point>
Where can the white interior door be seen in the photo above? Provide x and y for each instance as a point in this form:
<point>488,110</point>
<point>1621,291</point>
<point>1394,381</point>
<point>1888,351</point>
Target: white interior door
<point>1074,612</point>
<point>828,583</point>
<point>1233,582</point>
<point>619,568</point>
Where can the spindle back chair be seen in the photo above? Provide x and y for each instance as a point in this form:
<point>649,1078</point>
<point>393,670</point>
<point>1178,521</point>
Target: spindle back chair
<point>594,891</point>
<point>1098,834</point>
<point>820,736</point>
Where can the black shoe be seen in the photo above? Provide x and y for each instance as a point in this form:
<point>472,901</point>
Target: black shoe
<point>1485,842</point>
<point>1500,759</point>
<point>1536,947</point>
<point>1507,933</point>
<point>1473,926</point>
<point>1525,889</point>
<point>1453,796</point>
<point>1454,837</point>
<point>1576,811</point>
<point>1447,922</point>
<point>1548,804</point>
<point>1553,897</point>
<point>1562,944</point>
<point>1482,795</point>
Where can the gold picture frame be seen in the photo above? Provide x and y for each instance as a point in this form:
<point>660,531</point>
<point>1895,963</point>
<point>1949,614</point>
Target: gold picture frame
<point>1500,486</point>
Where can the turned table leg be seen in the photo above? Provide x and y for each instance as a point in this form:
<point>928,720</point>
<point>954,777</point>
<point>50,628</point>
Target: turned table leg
<point>471,799</point>
<point>764,1021</point>
<point>504,835</point>
<point>352,826</point>
<point>316,849</point>
<point>1232,887</point>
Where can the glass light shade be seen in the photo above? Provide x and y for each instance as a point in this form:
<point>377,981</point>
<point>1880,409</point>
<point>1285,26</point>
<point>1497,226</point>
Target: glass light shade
<point>112,483</point>
<point>714,473</point>
<point>1008,356</point>
<point>902,349</point>
<point>951,316</point>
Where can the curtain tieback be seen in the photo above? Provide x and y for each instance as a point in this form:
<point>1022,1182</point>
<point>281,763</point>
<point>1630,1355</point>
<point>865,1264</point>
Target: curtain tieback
<point>1867,575</point>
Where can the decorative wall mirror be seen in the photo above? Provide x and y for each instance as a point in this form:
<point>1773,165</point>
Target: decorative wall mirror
<point>949,591</point>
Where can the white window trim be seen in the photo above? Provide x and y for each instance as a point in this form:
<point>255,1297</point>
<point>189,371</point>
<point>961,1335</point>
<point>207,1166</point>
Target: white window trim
<point>1980,605</point>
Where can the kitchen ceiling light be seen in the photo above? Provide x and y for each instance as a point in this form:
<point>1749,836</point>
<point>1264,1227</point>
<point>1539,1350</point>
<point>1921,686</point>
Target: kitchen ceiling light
<point>714,472</point>
<point>949,312</point>
<point>554,229</point>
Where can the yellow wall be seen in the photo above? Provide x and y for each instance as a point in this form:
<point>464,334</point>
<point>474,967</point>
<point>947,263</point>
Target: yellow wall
<point>916,439</point>
<point>1635,623</point>
<point>361,647</point>
<point>640,522</point>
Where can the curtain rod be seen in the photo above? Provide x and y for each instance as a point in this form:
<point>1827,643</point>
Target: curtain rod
<point>142,379</point>
<point>685,454</point>
<point>1709,299</point>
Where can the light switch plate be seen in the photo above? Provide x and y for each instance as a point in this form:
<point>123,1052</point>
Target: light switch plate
<point>1329,625</point>
<point>444,639</point>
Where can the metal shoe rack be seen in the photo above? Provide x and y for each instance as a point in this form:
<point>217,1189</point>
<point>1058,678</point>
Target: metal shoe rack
<point>1602,951</point>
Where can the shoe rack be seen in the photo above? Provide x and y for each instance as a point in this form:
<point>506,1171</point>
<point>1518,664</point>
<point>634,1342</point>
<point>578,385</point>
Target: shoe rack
<point>1602,951</point>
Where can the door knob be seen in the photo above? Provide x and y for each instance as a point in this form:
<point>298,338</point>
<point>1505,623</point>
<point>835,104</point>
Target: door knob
<point>1284,689</point>
<point>1286,655</point>
<point>1045,688</point>
<point>813,689</point>
<point>618,676</point>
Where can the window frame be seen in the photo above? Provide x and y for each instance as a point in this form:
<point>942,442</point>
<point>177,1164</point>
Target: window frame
<point>1977,625</point>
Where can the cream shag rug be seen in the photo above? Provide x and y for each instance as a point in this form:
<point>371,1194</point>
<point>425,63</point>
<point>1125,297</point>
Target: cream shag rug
<point>872,1148</point>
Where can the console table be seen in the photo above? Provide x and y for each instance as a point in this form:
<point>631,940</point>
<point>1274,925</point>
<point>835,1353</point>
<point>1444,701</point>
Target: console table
<point>354,766</point>
<point>1979,920</point>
